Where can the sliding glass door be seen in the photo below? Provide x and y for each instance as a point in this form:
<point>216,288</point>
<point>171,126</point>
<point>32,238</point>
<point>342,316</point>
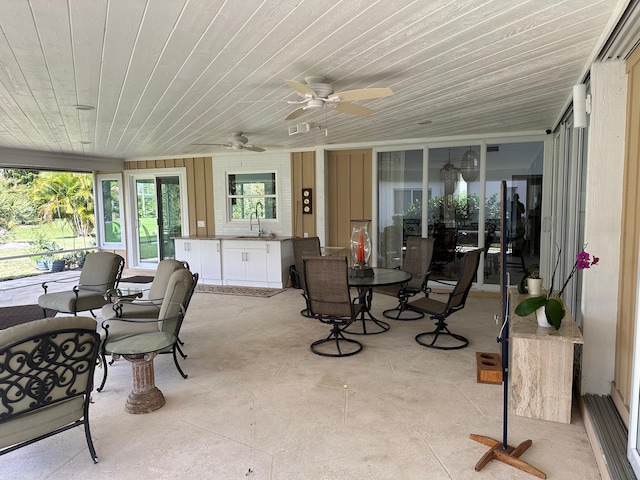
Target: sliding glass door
<point>456,201</point>
<point>158,216</point>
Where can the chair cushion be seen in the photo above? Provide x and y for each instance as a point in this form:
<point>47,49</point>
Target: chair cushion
<point>144,309</point>
<point>161,278</point>
<point>100,270</point>
<point>65,301</point>
<point>41,421</point>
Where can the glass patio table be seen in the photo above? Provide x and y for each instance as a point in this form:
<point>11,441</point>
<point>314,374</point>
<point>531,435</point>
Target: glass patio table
<point>140,349</point>
<point>381,277</point>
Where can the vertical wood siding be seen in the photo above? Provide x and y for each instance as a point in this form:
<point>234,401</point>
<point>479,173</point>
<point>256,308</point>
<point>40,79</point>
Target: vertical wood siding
<point>303,175</point>
<point>349,177</point>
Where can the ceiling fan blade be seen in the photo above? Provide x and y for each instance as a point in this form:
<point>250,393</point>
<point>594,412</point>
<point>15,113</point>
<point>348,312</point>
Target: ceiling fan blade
<point>227,145</point>
<point>301,88</point>
<point>295,114</point>
<point>253,148</point>
<point>353,109</point>
<point>361,94</point>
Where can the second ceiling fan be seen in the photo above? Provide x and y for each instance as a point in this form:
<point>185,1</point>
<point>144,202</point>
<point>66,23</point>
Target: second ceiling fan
<point>317,94</point>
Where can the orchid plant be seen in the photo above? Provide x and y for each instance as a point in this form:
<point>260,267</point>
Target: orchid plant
<point>553,307</point>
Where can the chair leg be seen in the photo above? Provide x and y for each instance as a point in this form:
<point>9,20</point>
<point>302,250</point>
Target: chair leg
<point>175,360</point>
<point>104,375</point>
<point>87,434</point>
<point>402,312</point>
<point>338,337</point>
<point>441,329</point>
<point>182,354</point>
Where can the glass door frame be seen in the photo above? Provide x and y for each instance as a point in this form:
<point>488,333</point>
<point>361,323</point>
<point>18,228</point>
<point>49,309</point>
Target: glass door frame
<point>131,177</point>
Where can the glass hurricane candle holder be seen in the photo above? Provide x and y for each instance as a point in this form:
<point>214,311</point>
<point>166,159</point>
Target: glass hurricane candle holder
<point>360,243</point>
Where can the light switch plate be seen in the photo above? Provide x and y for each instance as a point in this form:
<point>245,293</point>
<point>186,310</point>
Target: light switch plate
<point>201,224</point>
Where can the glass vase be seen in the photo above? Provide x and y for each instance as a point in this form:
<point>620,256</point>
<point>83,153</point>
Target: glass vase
<point>360,242</point>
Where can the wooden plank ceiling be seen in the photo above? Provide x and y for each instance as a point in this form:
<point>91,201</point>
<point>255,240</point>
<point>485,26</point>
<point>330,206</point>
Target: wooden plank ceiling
<point>165,74</point>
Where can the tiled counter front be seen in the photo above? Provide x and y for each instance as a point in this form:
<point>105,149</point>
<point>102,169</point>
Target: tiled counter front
<point>541,366</point>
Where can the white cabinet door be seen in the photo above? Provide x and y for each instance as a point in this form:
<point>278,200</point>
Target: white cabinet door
<point>274,264</point>
<point>189,251</point>
<point>255,260</point>
<point>210,260</point>
<point>232,264</point>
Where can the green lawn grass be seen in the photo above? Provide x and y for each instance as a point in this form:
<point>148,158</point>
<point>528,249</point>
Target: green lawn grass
<point>18,240</point>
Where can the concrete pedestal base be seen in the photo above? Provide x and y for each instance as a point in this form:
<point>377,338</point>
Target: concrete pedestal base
<point>145,396</point>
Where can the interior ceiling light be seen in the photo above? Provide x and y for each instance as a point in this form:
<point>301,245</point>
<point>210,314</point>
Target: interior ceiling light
<point>469,166</point>
<point>449,176</point>
<point>84,107</point>
<point>425,122</point>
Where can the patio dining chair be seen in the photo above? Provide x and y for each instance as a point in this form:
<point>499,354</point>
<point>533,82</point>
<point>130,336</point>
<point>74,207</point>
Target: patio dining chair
<point>417,262</point>
<point>100,275</point>
<point>456,299</point>
<point>330,301</point>
<point>304,247</point>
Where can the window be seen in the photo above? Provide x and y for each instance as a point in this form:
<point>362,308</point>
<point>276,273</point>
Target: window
<point>109,201</point>
<point>251,195</point>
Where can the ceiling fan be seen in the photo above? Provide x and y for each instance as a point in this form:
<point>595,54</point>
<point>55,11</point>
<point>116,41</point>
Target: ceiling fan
<point>237,141</point>
<point>317,94</point>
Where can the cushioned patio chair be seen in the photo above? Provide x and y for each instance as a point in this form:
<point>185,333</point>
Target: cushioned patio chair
<point>417,262</point>
<point>46,378</point>
<point>330,302</point>
<point>150,307</point>
<point>100,275</point>
<point>177,296</point>
<point>304,247</point>
<point>439,311</point>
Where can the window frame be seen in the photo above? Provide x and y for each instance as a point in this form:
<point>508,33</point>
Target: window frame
<point>260,198</point>
<point>100,219</point>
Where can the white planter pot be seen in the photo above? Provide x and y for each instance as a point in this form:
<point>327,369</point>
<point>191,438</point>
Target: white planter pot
<point>542,318</point>
<point>534,286</point>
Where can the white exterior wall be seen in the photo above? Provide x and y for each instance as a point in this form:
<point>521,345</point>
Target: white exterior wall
<point>603,224</point>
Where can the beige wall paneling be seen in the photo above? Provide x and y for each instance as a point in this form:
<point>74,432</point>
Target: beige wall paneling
<point>303,175</point>
<point>349,176</point>
<point>629,241</point>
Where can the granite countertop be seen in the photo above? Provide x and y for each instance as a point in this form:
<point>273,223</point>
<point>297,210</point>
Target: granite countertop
<point>264,238</point>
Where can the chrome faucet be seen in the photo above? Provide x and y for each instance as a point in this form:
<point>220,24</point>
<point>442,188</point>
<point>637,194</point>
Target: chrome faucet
<point>260,231</point>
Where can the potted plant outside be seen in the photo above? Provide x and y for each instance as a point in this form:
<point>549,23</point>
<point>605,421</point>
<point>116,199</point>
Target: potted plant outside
<point>551,302</point>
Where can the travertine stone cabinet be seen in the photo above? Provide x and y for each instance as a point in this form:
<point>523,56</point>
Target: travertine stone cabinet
<point>541,366</point>
<point>255,262</point>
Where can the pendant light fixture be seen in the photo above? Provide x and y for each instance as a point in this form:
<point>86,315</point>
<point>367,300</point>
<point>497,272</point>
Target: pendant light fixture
<point>449,175</point>
<point>470,166</point>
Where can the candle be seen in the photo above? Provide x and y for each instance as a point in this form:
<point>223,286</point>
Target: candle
<point>361,248</point>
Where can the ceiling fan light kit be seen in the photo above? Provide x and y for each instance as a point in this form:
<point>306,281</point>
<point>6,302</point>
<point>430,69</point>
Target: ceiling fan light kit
<point>315,93</point>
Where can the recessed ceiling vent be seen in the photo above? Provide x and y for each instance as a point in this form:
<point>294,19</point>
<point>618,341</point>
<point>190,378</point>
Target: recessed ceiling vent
<point>493,148</point>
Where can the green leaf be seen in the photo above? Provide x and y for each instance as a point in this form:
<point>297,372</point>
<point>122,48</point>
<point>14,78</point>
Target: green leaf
<point>530,305</point>
<point>555,312</point>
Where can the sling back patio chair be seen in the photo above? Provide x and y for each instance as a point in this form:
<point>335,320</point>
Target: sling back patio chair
<point>100,275</point>
<point>176,299</point>
<point>46,378</point>
<point>417,262</point>
<point>304,247</point>
<point>439,311</point>
<point>330,302</point>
